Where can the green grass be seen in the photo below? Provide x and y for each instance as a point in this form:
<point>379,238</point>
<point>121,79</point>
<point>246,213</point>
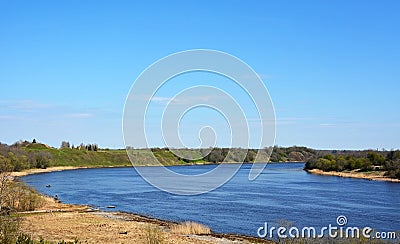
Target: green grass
<point>103,158</point>
<point>75,157</point>
<point>82,158</point>
<point>165,157</point>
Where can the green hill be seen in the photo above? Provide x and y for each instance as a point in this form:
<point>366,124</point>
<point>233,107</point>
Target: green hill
<point>25,155</point>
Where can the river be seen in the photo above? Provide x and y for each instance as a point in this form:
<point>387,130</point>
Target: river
<point>282,193</point>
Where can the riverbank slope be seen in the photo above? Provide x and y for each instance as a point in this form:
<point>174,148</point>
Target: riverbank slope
<point>373,175</point>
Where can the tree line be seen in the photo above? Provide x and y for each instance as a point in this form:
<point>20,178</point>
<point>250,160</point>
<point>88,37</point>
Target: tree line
<point>272,154</point>
<point>89,147</point>
<point>25,155</point>
<point>362,161</point>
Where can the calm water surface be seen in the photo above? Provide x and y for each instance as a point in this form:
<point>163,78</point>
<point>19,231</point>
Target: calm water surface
<point>282,192</point>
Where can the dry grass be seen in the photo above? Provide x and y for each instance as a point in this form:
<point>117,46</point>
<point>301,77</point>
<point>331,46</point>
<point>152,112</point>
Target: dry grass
<point>74,223</point>
<point>190,228</point>
<point>16,196</point>
<point>153,234</point>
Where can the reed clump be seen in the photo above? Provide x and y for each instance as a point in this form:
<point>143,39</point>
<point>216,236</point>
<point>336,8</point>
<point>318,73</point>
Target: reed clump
<point>190,228</point>
<point>154,235</point>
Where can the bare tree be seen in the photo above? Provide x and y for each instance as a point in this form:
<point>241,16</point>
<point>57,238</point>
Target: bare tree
<point>5,175</point>
<point>65,144</point>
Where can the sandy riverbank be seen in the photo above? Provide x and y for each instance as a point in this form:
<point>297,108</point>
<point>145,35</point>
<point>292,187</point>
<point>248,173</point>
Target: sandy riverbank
<point>56,221</point>
<point>53,169</point>
<point>377,176</point>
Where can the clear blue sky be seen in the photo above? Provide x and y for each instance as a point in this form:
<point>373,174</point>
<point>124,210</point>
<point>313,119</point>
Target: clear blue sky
<point>331,67</point>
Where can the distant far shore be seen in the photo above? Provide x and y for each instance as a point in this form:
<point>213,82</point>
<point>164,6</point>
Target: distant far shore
<point>376,176</point>
<point>62,168</point>
<point>34,157</point>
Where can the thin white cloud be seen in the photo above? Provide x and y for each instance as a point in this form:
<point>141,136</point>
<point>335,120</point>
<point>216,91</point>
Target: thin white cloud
<point>184,100</point>
<point>26,105</point>
<point>193,100</point>
<point>7,117</point>
<point>79,115</point>
<point>30,108</point>
<point>280,121</point>
<point>360,124</point>
<point>327,125</point>
<point>161,100</point>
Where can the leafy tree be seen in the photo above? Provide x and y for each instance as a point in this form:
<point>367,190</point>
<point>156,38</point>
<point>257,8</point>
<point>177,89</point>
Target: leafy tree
<point>329,157</point>
<point>376,158</point>
<point>250,156</point>
<point>341,163</point>
<point>42,159</point>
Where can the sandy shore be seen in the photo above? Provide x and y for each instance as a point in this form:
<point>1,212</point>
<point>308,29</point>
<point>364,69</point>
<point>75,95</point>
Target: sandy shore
<point>46,170</point>
<point>56,221</point>
<point>51,169</point>
<point>378,176</point>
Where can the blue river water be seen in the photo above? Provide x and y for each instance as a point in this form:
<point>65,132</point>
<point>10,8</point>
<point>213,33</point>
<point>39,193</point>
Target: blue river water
<point>283,192</point>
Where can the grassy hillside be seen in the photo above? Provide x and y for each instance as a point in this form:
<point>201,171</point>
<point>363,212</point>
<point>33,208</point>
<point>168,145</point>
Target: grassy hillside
<point>74,157</point>
<point>38,155</point>
<point>25,155</point>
